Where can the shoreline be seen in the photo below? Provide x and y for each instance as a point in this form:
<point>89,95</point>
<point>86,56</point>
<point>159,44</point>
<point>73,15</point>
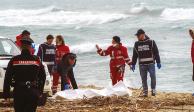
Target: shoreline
<point>162,102</point>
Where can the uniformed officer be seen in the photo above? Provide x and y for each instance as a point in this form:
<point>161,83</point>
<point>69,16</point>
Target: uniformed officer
<point>26,74</point>
<point>146,51</point>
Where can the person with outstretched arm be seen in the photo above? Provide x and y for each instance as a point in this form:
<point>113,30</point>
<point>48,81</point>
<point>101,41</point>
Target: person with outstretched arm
<point>146,51</point>
<point>118,58</point>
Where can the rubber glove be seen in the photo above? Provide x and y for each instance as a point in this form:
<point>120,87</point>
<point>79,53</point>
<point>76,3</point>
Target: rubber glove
<point>159,65</point>
<point>33,45</point>
<point>133,68</point>
<point>67,86</point>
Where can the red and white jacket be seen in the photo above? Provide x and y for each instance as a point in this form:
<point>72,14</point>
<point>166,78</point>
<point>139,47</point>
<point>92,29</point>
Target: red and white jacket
<point>119,55</point>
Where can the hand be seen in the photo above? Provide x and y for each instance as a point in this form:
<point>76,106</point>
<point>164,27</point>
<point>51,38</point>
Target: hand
<point>159,65</point>
<point>97,47</point>
<point>133,68</point>
<point>33,45</point>
<point>67,86</point>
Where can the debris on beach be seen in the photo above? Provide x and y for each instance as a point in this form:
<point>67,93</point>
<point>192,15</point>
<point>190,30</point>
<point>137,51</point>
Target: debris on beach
<point>163,102</point>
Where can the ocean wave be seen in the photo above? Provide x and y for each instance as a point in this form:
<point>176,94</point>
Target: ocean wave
<point>168,14</point>
<point>86,47</point>
<point>175,14</point>
<point>143,9</point>
<point>139,8</point>
<point>89,47</point>
<point>54,16</point>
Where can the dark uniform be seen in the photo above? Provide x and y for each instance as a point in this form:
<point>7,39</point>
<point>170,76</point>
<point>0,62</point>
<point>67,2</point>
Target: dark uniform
<point>46,53</point>
<point>146,51</point>
<point>66,71</point>
<point>26,74</point>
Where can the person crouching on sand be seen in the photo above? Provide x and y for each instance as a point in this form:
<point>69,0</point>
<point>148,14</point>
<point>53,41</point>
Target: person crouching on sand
<point>65,69</point>
<point>119,56</point>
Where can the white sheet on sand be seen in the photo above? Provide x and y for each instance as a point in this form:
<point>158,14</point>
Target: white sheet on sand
<point>120,89</point>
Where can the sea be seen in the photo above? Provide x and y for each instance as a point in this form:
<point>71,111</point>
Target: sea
<point>85,23</point>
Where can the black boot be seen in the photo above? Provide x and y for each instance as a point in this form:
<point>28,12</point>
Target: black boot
<point>153,92</point>
<point>145,94</point>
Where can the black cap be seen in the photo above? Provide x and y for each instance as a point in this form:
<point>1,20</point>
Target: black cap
<point>139,32</point>
<point>117,39</point>
<point>26,41</point>
<point>25,32</point>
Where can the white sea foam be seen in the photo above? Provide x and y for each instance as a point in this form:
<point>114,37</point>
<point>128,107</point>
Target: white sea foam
<point>51,16</point>
<point>86,47</point>
<point>177,14</point>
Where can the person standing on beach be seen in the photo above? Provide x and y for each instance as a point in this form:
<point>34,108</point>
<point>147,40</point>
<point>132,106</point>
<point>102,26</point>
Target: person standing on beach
<point>46,52</point>
<point>191,32</point>
<point>26,74</point>
<point>24,34</point>
<point>147,52</point>
<point>61,50</point>
<point>119,56</point>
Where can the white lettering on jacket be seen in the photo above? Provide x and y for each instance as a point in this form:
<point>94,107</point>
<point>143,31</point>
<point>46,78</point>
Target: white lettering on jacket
<point>50,51</point>
<point>143,48</point>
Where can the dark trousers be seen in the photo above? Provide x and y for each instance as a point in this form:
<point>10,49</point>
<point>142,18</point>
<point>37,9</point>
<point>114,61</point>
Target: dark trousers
<point>144,69</point>
<point>25,100</point>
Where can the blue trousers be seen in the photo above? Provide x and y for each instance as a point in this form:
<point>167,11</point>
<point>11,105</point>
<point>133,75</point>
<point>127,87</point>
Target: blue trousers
<point>144,70</point>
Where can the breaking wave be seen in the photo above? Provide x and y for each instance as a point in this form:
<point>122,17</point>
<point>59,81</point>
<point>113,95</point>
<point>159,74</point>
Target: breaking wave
<point>53,16</point>
<point>178,14</point>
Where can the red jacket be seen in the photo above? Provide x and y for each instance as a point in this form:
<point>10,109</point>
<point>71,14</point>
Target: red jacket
<point>192,52</point>
<point>18,38</point>
<point>119,56</point>
<point>60,51</point>
<point>19,44</point>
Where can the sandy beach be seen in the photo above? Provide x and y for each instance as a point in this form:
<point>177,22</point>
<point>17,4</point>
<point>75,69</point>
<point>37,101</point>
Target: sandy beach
<point>163,102</point>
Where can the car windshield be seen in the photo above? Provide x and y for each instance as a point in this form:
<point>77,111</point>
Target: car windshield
<point>8,48</point>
